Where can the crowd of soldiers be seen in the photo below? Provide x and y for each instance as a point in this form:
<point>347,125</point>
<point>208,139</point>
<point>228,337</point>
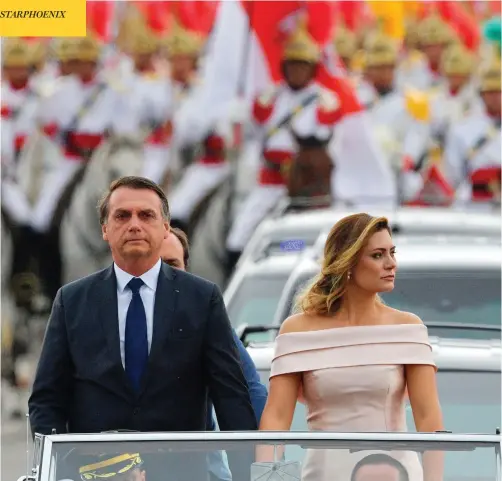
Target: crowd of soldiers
<point>434,108</point>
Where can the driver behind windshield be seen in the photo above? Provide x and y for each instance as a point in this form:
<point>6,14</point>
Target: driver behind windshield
<point>121,467</point>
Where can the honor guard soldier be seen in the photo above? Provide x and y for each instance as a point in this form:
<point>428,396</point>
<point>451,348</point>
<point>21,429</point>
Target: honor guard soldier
<point>449,103</point>
<point>202,176</point>
<point>434,36</point>
<point>473,149</point>
<point>65,52</point>
<point>206,163</point>
<point>400,128</point>
<point>43,70</point>
<point>151,100</point>
<point>345,43</point>
<point>76,116</point>
<point>183,48</point>
<point>298,103</point>
<point>16,92</point>
<point>457,96</point>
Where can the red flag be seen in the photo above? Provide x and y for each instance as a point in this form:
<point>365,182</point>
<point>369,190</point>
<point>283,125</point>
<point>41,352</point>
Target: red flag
<point>195,15</point>
<point>156,14</point>
<point>100,16</point>
<point>273,22</point>
<point>464,24</point>
<point>351,14</point>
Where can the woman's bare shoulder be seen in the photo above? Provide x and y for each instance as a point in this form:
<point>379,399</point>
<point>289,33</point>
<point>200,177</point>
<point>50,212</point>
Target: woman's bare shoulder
<point>296,323</point>
<point>396,316</point>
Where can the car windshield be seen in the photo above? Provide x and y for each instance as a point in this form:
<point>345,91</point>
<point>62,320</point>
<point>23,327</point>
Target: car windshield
<point>470,402</point>
<point>440,296</point>
<point>192,456</point>
<point>256,299</point>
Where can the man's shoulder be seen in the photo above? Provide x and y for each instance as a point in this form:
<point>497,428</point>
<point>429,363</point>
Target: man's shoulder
<point>80,285</point>
<point>195,282</point>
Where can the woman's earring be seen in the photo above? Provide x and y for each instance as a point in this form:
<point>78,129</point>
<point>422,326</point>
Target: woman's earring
<point>348,276</point>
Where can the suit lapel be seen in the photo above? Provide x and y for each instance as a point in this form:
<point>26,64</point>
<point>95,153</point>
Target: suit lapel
<point>109,321</point>
<point>163,313</point>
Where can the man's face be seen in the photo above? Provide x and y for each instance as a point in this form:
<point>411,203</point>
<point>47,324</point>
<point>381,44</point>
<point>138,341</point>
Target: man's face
<point>143,61</point>
<point>135,227</point>
<point>381,77</point>
<point>85,69</point>
<point>492,101</point>
<point>298,74</point>
<point>182,67</point>
<point>456,82</point>
<point>17,75</point>
<point>377,472</point>
<point>68,67</point>
<point>172,252</point>
<point>434,53</point>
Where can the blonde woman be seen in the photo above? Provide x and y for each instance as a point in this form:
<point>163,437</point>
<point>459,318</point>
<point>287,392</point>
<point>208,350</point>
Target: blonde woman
<point>350,358</point>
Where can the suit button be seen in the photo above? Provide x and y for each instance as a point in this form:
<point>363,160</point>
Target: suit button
<point>136,411</point>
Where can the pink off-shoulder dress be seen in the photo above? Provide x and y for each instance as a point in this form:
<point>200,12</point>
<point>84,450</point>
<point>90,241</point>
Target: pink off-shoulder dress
<point>353,380</point>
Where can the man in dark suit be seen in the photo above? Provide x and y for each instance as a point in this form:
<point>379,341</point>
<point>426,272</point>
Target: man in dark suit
<point>118,356</point>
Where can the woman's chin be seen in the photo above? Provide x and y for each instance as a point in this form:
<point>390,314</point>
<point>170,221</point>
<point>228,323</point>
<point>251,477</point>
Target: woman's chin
<point>388,286</point>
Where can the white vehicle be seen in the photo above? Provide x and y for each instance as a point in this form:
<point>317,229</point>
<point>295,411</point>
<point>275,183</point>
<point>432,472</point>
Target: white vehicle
<point>254,292</point>
<point>160,456</point>
<point>469,385</point>
<point>454,287</point>
<point>306,227</point>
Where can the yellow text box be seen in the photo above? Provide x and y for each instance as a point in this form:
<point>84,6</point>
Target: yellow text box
<point>42,18</point>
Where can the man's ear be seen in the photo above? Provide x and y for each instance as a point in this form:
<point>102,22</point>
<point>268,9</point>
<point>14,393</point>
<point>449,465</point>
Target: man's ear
<point>167,228</point>
<point>103,230</point>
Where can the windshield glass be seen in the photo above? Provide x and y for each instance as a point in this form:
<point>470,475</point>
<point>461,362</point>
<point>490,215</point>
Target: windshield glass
<point>470,402</point>
<point>306,460</point>
<point>457,296</point>
<point>255,300</point>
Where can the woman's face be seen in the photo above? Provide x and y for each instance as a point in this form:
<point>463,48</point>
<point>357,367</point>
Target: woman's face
<point>376,269</point>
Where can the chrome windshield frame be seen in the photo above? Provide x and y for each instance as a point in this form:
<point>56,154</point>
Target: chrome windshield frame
<point>324,438</point>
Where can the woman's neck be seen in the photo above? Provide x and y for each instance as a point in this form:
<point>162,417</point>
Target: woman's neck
<point>358,306</point>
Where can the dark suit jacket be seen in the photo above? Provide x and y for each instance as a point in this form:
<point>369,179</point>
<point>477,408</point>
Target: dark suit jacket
<point>80,385</point>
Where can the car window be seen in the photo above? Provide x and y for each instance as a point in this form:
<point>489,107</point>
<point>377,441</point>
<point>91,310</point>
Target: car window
<point>255,300</point>
<point>470,402</point>
<point>449,296</point>
<point>456,296</point>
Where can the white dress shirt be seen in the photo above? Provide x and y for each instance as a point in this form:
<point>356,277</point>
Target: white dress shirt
<point>124,297</point>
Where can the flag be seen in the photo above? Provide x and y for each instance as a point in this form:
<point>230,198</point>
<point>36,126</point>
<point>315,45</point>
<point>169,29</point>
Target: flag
<point>245,58</point>
<point>391,13</point>
<point>100,19</point>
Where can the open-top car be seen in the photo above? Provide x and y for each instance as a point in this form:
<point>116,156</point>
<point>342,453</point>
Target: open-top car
<point>304,228</point>
<point>211,455</point>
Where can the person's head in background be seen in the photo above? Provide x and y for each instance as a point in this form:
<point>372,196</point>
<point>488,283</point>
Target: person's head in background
<point>379,467</point>
<point>175,249</point>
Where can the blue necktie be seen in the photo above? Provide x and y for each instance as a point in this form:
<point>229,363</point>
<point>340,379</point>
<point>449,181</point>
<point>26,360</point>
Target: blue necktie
<point>136,340</point>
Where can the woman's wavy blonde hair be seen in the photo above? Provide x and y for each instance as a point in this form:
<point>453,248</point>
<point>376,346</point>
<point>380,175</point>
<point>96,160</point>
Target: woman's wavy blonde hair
<point>342,251</point>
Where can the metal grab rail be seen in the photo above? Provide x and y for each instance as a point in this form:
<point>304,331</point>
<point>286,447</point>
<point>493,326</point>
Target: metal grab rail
<point>283,437</point>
